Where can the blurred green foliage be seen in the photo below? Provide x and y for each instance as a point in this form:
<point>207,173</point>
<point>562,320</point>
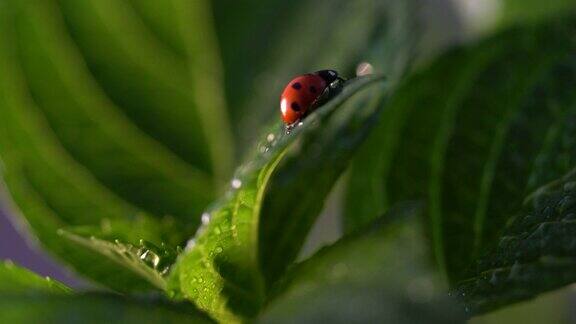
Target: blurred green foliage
<point>121,121</point>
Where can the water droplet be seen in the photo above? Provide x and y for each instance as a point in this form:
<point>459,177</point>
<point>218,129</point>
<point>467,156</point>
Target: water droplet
<point>218,249</point>
<point>547,212</point>
<point>515,270</point>
<point>494,279</point>
<point>205,218</point>
<point>144,255</point>
<point>364,68</point>
<point>150,258</point>
<point>236,183</point>
<point>200,280</point>
<point>270,137</point>
<point>190,245</point>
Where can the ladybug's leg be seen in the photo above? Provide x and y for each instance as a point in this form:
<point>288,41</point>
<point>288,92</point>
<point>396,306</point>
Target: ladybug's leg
<point>322,99</point>
<point>337,86</point>
<point>329,92</point>
<point>290,127</point>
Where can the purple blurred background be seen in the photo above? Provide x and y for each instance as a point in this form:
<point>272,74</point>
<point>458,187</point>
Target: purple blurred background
<point>27,253</point>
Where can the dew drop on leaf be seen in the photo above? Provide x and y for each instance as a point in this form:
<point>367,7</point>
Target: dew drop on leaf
<point>494,279</point>
<point>205,218</point>
<point>364,68</point>
<point>190,245</point>
<point>236,183</point>
<point>515,270</point>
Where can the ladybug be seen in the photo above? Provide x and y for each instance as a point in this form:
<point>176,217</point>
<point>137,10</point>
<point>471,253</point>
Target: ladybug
<point>307,92</point>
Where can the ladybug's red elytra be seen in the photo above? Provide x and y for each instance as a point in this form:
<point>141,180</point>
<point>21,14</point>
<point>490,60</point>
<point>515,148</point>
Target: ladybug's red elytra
<point>307,92</point>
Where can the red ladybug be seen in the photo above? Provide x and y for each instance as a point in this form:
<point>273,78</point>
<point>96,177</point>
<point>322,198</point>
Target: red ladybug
<point>307,92</point>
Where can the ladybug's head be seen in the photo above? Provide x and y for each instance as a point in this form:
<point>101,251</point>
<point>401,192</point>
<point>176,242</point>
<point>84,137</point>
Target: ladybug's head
<point>328,75</point>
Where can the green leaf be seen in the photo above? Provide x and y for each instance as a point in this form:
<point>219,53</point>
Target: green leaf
<point>158,89</point>
<point>92,128</point>
<point>463,134</point>
<point>145,259</point>
<point>48,186</point>
<point>95,308</point>
<point>27,298</point>
<point>537,253</point>
<point>186,27</point>
<point>520,12</point>
<point>374,276</point>
<point>70,156</point>
<point>534,254</point>
<point>16,280</point>
<point>231,261</point>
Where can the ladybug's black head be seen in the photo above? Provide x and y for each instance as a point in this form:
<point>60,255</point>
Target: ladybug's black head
<point>328,75</point>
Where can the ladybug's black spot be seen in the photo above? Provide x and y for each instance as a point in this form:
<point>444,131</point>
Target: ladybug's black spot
<point>297,86</point>
<point>313,89</point>
<point>295,106</point>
